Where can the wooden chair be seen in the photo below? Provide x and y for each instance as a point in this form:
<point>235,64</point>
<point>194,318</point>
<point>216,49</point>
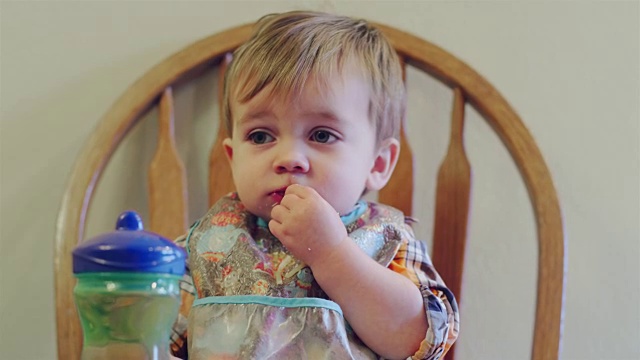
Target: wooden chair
<point>167,184</point>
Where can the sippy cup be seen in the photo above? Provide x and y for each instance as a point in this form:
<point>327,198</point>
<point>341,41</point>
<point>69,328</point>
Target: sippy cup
<point>128,292</point>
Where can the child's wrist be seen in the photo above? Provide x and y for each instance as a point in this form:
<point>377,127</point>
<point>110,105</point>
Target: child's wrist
<point>325,262</point>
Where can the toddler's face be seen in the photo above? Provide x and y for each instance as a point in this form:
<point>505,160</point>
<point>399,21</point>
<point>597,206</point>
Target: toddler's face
<point>325,140</point>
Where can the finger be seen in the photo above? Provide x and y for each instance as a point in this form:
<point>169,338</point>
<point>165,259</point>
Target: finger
<point>299,190</point>
<point>278,213</point>
<point>275,228</point>
<point>290,200</point>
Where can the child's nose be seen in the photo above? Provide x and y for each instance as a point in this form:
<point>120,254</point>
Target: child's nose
<point>291,160</point>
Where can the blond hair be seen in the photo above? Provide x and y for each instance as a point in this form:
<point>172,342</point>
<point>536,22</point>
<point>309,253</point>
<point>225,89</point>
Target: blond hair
<point>287,49</point>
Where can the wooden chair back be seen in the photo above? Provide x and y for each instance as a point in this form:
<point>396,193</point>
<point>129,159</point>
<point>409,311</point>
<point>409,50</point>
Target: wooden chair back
<point>167,178</point>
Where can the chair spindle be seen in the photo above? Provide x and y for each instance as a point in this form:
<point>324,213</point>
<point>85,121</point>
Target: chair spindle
<point>220,178</point>
<point>452,206</point>
<point>167,177</point>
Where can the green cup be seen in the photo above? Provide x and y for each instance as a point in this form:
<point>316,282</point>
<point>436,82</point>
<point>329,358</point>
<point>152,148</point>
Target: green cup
<point>128,292</point>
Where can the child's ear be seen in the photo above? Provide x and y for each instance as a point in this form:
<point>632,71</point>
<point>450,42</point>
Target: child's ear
<point>383,164</point>
<point>228,149</point>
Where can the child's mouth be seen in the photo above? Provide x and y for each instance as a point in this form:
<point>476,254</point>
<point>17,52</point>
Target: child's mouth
<point>277,196</point>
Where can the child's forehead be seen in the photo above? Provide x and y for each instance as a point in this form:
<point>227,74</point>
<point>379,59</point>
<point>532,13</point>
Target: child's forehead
<point>318,94</point>
<point>318,83</point>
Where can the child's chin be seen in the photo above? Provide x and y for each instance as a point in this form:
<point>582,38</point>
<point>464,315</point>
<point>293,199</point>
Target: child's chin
<point>264,214</point>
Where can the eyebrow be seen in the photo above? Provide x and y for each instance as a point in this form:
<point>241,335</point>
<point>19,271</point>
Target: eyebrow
<point>252,116</point>
<point>261,114</point>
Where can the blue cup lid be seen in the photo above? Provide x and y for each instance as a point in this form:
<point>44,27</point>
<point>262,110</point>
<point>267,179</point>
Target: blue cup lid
<point>129,249</point>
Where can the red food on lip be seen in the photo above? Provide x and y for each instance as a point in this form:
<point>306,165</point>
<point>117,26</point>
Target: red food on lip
<point>277,195</point>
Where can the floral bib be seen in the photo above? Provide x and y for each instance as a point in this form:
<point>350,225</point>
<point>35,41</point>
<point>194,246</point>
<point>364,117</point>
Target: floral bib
<point>257,301</point>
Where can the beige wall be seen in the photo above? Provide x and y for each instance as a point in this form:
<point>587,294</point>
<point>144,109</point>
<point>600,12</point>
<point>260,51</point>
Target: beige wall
<point>569,68</point>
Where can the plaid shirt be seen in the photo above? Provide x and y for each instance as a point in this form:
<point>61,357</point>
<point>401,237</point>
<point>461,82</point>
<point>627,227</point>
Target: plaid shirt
<point>412,261</point>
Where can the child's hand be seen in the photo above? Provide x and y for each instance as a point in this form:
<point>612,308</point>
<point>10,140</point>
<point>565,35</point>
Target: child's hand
<point>307,224</point>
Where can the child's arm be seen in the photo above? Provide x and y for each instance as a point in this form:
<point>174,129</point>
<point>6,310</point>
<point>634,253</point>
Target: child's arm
<point>413,262</point>
<point>385,308</point>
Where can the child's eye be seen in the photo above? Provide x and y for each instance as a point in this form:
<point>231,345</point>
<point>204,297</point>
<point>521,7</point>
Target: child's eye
<point>323,136</point>
<point>260,137</point>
